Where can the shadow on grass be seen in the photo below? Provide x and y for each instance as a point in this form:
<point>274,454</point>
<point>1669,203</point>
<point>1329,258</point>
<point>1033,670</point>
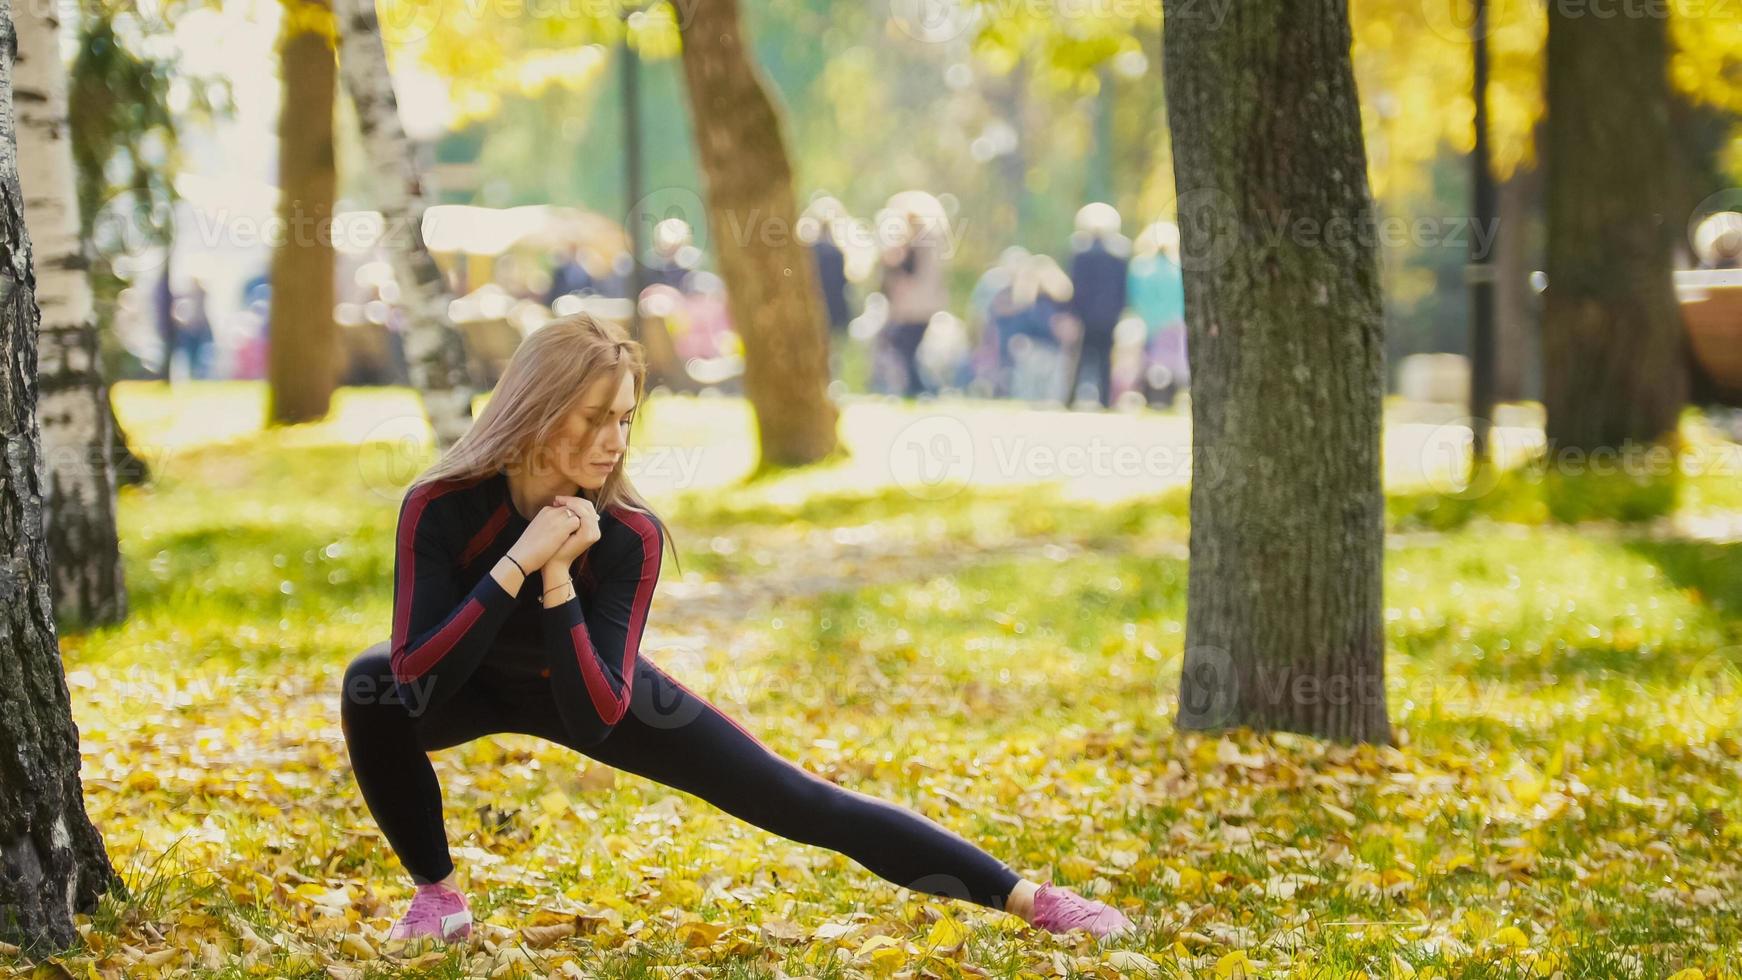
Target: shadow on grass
<point>1712,570</point>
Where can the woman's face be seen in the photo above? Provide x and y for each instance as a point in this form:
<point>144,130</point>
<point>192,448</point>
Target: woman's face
<point>594,437</point>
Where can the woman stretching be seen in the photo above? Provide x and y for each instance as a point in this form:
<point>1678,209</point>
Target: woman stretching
<point>523,576</point>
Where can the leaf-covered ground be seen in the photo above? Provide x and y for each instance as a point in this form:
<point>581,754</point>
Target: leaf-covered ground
<point>1002,657</point>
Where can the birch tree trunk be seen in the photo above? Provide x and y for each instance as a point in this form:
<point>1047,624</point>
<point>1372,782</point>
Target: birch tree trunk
<point>753,220</point>
<point>52,861</point>
<point>73,398</point>
<point>434,349</point>
<point>1283,621</point>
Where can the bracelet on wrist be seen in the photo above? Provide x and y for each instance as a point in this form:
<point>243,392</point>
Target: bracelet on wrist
<point>558,588</point>
<point>517,565</point>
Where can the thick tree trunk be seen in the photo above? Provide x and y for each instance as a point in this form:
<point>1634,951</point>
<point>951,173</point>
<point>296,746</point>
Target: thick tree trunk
<point>1516,369</point>
<point>1283,628</point>
<point>434,350</point>
<point>73,398</point>
<point>303,359</point>
<point>1614,353</point>
<point>753,218</point>
<point>52,861</point>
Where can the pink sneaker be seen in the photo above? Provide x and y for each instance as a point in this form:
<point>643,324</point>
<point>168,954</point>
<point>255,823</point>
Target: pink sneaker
<point>1061,910</point>
<point>436,912</point>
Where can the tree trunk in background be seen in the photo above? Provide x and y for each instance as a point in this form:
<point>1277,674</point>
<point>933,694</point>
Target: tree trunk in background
<point>753,220</point>
<point>73,399</point>
<point>1615,362</point>
<point>303,357</point>
<point>1517,369</point>
<point>434,350</point>
<point>1283,623</point>
<point>52,861</point>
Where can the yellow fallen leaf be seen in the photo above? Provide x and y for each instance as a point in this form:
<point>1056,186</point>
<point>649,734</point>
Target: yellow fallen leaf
<point>1233,965</point>
<point>946,935</point>
<point>1186,881</point>
<point>355,945</point>
<point>549,934</point>
<point>1548,964</point>
<point>1526,784</point>
<point>1512,936</point>
<point>1478,924</point>
<point>1076,866</point>
<point>681,892</point>
<point>1340,813</point>
<point>696,934</point>
<point>555,802</point>
<point>140,780</point>
<point>783,930</point>
<point>876,943</point>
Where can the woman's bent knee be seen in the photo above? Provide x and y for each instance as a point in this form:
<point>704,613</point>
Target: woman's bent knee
<point>369,680</point>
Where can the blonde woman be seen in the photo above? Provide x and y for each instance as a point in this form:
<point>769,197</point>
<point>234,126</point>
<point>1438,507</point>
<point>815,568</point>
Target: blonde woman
<point>523,579</point>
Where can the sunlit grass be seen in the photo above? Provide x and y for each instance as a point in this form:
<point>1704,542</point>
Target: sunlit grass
<point>1004,659</point>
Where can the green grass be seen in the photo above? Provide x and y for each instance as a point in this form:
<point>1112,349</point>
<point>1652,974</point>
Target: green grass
<point>1567,703</point>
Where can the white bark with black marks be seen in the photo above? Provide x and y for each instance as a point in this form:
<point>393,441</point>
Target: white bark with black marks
<point>73,397</point>
<point>434,349</point>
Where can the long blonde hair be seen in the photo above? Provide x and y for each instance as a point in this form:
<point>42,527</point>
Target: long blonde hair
<point>550,372</point>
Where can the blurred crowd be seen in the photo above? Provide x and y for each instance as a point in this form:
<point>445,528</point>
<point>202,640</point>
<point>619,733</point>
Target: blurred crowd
<point>1100,323</point>
<point>1106,324</point>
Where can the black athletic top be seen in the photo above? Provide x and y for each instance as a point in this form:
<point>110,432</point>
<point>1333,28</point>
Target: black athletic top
<point>450,616</point>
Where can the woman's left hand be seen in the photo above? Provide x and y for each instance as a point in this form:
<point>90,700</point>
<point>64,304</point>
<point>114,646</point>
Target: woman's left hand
<point>585,535</point>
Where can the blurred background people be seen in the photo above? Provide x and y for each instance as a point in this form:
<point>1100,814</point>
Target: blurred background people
<point>1157,296</point>
<point>569,276</point>
<point>193,332</point>
<point>820,226</point>
<point>1100,260</point>
<point>913,282</point>
<point>1031,319</point>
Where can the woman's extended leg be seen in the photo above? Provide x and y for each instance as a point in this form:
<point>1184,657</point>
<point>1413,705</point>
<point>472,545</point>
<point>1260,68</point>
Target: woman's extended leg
<point>674,736</point>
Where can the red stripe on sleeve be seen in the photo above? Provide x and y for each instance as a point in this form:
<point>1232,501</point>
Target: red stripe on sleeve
<point>611,707</point>
<point>407,545</point>
<point>411,666</point>
<point>485,535</point>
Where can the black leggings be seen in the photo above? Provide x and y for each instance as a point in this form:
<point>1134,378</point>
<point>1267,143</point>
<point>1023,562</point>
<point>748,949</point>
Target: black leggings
<point>670,735</point>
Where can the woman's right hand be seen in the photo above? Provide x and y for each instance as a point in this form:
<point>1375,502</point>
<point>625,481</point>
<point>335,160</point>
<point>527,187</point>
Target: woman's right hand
<point>547,532</point>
